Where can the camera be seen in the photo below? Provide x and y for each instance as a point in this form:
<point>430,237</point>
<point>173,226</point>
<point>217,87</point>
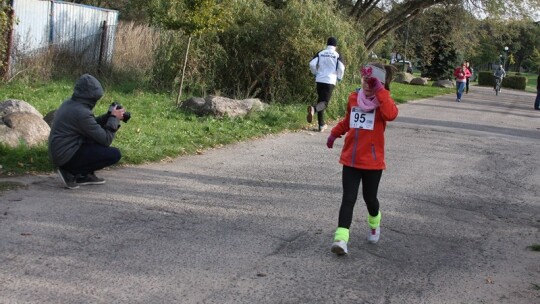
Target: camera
<point>117,105</point>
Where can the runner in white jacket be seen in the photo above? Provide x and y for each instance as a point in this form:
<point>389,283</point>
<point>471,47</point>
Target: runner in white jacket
<point>328,68</point>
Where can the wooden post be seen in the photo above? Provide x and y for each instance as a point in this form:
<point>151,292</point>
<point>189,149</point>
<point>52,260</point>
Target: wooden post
<point>103,44</point>
<point>183,72</point>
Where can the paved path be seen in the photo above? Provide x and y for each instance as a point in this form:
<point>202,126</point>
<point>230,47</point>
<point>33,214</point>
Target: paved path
<point>253,222</point>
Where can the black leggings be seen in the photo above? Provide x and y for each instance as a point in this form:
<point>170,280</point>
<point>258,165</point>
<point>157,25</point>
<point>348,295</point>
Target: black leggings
<point>324,93</point>
<point>351,182</point>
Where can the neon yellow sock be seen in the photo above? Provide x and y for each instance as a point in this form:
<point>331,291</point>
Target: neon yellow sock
<point>374,221</point>
<point>342,234</point>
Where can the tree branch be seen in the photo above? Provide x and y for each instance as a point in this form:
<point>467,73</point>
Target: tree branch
<point>362,8</point>
<point>398,16</point>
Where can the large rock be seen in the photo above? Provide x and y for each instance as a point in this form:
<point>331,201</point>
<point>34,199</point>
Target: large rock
<point>419,81</point>
<point>14,105</point>
<point>445,83</point>
<point>222,106</point>
<point>403,78</point>
<point>21,123</point>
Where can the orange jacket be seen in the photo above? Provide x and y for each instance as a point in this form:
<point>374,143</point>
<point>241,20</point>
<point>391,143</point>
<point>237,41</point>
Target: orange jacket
<point>364,149</point>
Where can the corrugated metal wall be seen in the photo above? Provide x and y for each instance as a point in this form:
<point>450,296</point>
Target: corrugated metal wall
<point>71,27</point>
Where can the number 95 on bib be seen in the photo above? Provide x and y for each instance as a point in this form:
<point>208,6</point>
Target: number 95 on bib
<point>361,119</point>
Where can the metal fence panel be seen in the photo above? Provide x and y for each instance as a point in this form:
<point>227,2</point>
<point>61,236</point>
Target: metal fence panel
<point>77,29</point>
<point>32,23</point>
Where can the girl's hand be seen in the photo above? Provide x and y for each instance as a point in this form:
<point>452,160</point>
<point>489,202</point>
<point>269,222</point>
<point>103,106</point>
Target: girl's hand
<point>374,84</point>
<point>330,141</point>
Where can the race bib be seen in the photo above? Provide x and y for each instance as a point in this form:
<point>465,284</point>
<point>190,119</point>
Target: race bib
<point>361,119</point>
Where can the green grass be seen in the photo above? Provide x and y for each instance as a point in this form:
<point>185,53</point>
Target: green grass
<point>531,82</point>
<point>158,130</point>
<point>6,186</point>
<point>535,247</point>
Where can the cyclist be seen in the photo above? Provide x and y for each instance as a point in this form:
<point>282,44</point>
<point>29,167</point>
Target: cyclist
<point>499,74</point>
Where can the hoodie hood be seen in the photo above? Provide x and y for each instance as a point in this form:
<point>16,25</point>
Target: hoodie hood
<point>88,89</point>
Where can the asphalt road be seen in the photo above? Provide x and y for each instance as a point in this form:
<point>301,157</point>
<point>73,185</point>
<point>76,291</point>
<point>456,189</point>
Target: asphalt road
<point>253,222</point>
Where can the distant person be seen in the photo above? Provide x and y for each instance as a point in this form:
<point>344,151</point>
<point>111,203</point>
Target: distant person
<point>362,157</point>
<point>328,68</point>
<point>468,78</point>
<point>461,73</point>
<point>537,101</point>
<point>79,142</point>
<point>409,69</point>
<point>499,74</point>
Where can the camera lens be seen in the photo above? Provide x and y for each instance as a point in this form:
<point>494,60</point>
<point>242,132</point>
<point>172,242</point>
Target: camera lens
<point>126,117</point>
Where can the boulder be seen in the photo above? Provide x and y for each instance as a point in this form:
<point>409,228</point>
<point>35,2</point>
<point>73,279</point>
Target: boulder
<point>8,137</point>
<point>21,123</point>
<point>445,83</point>
<point>221,106</point>
<point>14,105</point>
<point>419,81</point>
<point>403,78</point>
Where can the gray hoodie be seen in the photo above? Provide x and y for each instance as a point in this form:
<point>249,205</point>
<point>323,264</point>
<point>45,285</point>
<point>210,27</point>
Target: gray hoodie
<point>74,122</point>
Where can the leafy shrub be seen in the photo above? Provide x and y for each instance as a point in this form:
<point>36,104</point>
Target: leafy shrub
<point>264,53</point>
<point>5,27</point>
<point>515,82</point>
<point>485,78</point>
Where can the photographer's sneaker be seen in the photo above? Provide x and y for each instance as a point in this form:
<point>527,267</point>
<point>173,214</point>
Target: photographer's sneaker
<point>89,179</point>
<point>374,235</point>
<point>68,179</point>
<point>310,113</point>
<point>339,248</point>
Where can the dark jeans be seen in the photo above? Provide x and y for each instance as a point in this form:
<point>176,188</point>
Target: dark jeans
<point>537,100</point>
<point>324,93</point>
<point>467,86</point>
<point>92,157</point>
<point>351,182</point>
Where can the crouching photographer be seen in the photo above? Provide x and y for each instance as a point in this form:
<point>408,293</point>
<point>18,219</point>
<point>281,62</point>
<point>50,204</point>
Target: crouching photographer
<point>79,142</point>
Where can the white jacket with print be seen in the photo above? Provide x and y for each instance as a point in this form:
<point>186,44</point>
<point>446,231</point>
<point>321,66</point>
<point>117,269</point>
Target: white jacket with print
<point>327,66</point>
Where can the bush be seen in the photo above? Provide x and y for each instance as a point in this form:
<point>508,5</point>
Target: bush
<point>264,53</point>
<point>512,82</point>
<point>515,82</point>
<point>268,49</point>
<point>486,78</point>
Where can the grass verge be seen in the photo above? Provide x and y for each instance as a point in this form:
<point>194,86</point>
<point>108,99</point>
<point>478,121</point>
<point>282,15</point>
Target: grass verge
<point>535,247</point>
<point>6,186</point>
<point>158,130</point>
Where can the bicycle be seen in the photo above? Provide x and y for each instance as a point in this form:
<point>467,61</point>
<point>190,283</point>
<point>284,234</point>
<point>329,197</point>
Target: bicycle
<point>498,81</point>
